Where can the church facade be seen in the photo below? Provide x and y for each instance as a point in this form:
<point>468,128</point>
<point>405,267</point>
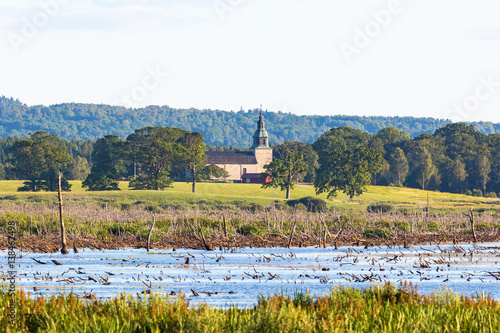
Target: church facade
<point>248,164</point>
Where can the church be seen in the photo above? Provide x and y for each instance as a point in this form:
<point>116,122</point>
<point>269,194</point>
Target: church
<point>246,166</point>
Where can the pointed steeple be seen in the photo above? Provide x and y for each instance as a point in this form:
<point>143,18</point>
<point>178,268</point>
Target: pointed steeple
<point>260,137</point>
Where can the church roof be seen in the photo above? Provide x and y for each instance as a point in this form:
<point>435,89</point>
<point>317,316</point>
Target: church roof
<point>230,157</point>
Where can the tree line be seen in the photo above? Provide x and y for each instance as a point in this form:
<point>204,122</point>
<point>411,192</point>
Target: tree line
<point>219,128</point>
<point>150,157</point>
<point>456,158</point>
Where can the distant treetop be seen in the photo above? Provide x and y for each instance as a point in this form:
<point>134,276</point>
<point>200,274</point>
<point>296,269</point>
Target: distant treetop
<point>220,128</point>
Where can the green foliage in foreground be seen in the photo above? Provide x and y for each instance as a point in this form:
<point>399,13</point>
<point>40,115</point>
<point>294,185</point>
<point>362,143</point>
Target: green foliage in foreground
<point>375,309</point>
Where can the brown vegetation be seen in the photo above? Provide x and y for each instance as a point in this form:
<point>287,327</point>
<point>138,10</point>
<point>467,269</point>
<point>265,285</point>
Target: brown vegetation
<point>96,226</point>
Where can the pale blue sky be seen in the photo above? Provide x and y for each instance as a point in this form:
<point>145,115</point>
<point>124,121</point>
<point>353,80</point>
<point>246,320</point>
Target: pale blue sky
<point>417,58</point>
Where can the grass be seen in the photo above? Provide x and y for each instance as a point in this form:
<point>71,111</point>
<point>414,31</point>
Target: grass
<point>375,309</point>
<point>254,194</point>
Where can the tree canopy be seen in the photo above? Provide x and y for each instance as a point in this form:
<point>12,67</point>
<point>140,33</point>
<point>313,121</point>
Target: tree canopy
<point>346,163</point>
<point>290,161</point>
<point>38,160</point>
<point>108,159</point>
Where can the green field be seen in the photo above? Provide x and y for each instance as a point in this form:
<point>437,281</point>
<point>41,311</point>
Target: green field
<point>254,194</point>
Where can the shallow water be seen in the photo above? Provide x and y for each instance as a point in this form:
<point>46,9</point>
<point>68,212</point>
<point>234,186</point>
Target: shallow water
<point>241,275</point>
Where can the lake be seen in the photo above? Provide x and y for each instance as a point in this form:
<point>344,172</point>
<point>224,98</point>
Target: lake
<point>240,276</point>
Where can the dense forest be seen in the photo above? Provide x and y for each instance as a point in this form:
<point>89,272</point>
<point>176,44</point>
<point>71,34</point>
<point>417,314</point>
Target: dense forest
<point>220,128</point>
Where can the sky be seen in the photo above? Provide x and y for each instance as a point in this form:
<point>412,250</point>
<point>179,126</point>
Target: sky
<point>421,58</point>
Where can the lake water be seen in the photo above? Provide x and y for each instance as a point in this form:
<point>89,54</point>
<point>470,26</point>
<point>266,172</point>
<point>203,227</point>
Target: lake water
<point>241,275</point>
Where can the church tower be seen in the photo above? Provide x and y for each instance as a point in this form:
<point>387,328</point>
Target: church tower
<point>263,153</point>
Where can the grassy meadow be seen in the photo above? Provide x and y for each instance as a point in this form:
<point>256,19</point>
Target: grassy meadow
<point>234,215</point>
<point>245,194</point>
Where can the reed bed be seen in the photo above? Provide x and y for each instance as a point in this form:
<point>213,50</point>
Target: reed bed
<point>96,224</point>
<point>375,309</point>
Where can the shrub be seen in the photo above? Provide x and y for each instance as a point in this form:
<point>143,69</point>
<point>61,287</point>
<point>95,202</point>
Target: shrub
<point>468,193</point>
<point>125,206</point>
<point>247,230</point>
<point>491,195</point>
<point>300,207</point>
<point>153,208</point>
<point>377,233</point>
<point>379,208</point>
<point>405,226</point>
<point>433,226</point>
<point>477,193</point>
<point>314,205</point>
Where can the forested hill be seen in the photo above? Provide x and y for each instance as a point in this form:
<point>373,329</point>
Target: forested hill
<point>227,128</point>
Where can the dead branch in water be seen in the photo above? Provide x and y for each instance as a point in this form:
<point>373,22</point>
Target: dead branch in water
<point>149,233</point>
<point>470,215</point>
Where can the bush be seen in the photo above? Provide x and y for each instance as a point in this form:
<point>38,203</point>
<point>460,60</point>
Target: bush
<point>125,206</point>
<point>477,193</point>
<point>468,193</point>
<point>379,208</point>
<point>377,233</point>
<point>300,207</point>
<point>491,195</point>
<point>247,230</point>
<point>314,205</point>
<point>433,226</point>
<point>405,226</point>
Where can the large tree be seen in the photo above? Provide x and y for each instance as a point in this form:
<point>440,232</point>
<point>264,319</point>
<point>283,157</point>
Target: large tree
<point>290,161</point>
<point>398,166</point>
<point>458,180</point>
<point>423,166</point>
<point>483,169</point>
<point>38,160</point>
<point>386,142</point>
<point>155,149</point>
<point>79,169</point>
<point>107,164</point>
<point>346,163</point>
<point>192,155</point>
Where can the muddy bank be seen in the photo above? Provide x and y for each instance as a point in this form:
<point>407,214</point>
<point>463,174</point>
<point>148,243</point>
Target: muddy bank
<point>50,243</point>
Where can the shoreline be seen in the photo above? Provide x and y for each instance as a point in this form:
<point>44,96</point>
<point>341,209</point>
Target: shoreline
<point>49,243</point>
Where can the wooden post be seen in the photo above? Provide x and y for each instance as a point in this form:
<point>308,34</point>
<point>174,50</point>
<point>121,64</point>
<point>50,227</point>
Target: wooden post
<point>149,233</point>
<point>64,248</point>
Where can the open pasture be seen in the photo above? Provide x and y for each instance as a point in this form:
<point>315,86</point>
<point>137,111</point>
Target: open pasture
<point>245,194</point>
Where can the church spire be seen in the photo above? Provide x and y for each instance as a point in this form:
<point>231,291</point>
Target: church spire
<point>260,137</point>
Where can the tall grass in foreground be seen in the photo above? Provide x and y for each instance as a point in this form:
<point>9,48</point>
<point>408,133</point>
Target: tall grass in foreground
<point>375,309</point>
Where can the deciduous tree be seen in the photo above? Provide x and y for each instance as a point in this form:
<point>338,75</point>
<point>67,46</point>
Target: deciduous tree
<point>346,162</point>
<point>192,155</point>
<point>398,166</point>
<point>289,162</point>
<point>39,159</point>
<point>156,149</point>
<point>108,164</point>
